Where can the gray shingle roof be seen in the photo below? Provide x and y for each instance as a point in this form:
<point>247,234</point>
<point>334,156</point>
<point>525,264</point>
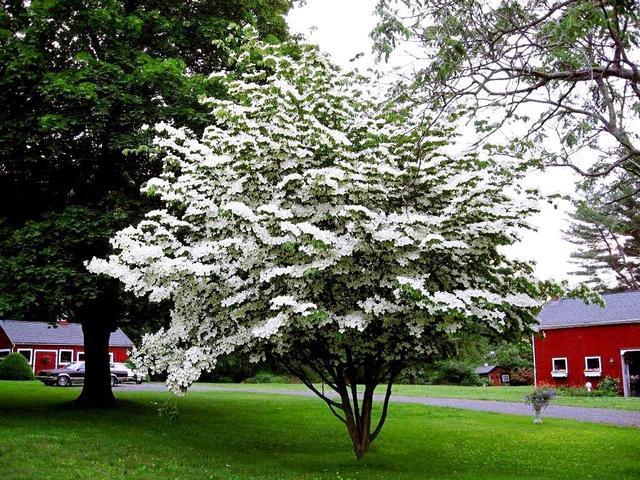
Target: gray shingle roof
<point>485,369</point>
<point>42,333</point>
<point>567,312</point>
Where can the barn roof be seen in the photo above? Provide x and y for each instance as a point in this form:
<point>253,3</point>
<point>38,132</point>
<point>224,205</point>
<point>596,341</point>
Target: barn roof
<point>568,312</point>
<point>42,333</point>
<point>485,369</point>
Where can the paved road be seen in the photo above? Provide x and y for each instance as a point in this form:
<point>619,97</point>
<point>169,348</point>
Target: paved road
<point>596,415</point>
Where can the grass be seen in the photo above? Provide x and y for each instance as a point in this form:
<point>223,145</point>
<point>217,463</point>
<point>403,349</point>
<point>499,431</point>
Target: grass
<point>501,394</point>
<point>238,436</point>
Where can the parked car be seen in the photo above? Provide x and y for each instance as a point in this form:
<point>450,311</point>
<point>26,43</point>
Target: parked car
<point>73,374</point>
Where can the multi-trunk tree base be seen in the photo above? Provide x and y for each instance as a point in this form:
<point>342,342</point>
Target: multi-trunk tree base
<point>351,407</point>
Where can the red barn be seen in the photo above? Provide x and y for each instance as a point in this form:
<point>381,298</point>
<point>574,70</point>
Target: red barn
<point>46,346</point>
<point>577,343</point>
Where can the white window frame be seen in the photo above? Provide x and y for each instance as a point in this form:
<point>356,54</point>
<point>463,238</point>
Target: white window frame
<point>593,373</point>
<point>60,362</point>
<point>5,350</point>
<point>78,357</point>
<point>30,350</point>
<point>559,373</point>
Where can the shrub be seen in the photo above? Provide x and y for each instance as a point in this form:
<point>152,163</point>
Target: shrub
<point>521,376</point>
<point>455,372</point>
<point>268,377</point>
<point>15,367</point>
<point>609,387</point>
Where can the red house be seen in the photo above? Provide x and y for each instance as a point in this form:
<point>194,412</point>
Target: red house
<point>577,343</point>
<point>46,346</point>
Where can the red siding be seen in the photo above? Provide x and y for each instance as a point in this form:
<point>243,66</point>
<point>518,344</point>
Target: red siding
<point>4,340</point>
<point>576,343</point>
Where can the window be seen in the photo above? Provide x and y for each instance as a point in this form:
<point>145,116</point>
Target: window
<point>559,367</point>
<point>27,353</point>
<point>80,357</point>
<point>592,366</point>
<point>4,352</point>
<point>505,378</point>
<point>65,357</point>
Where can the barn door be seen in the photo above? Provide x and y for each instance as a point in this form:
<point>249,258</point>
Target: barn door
<point>44,360</point>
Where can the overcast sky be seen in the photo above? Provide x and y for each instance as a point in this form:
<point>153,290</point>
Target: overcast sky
<point>341,28</point>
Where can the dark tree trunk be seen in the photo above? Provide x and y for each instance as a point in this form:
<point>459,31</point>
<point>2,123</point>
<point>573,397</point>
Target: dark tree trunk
<point>96,391</point>
<point>352,409</point>
<point>98,317</point>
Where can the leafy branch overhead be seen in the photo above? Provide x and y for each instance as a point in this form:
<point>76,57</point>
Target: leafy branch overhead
<point>567,69</point>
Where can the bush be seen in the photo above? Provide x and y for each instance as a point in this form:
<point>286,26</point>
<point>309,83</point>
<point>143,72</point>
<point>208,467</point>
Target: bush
<point>609,387</point>
<point>15,367</point>
<point>268,377</point>
<point>455,372</point>
<point>521,376</point>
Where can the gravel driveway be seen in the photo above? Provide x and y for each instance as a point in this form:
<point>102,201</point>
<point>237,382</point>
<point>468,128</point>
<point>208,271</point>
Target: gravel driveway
<point>596,415</point>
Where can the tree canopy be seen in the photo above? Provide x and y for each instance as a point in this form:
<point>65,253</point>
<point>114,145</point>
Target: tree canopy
<point>78,82</point>
<point>606,230</point>
<point>316,225</point>
<point>567,69</point>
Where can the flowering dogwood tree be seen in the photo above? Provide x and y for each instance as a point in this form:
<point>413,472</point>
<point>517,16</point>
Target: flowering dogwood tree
<point>314,225</point>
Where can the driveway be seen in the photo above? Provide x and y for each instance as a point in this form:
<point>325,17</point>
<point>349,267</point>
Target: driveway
<point>582,414</point>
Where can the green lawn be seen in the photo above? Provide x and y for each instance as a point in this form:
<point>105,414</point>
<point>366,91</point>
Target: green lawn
<point>236,436</point>
<point>502,394</point>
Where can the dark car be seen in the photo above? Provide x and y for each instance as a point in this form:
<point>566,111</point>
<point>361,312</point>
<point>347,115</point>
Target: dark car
<point>73,374</point>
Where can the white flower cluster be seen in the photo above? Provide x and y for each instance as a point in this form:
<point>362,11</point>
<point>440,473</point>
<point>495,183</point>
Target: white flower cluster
<point>306,205</point>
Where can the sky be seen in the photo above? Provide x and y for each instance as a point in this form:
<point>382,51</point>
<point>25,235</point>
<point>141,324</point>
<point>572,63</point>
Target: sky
<point>341,29</point>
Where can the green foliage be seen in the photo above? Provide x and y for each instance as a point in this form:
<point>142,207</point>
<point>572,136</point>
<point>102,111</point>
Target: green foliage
<point>515,355</point>
<point>268,377</point>
<point>606,232</point>
<point>15,367</point>
<point>454,372</point>
<point>79,81</point>
<point>607,387</point>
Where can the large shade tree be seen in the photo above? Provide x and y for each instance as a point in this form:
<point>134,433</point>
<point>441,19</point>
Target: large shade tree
<point>78,81</point>
<point>314,225</point>
<point>566,70</point>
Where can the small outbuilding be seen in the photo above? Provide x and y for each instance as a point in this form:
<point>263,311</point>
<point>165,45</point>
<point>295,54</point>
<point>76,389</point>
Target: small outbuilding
<point>495,374</point>
<point>52,346</point>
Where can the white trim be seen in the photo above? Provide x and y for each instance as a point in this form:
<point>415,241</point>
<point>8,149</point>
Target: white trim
<point>625,370</point>
<point>7,350</point>
<point>35,352</point>
<point>111,356</point>
<point>30,350</point>
<point>60,362</point>
<point>590,324</point>
<point>535,370</point>
<point>78,356</point>
<point>562,373</point>
<point>596,372</point>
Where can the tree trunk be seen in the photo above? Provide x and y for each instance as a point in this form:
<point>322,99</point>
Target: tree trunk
<point>96,391</point>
